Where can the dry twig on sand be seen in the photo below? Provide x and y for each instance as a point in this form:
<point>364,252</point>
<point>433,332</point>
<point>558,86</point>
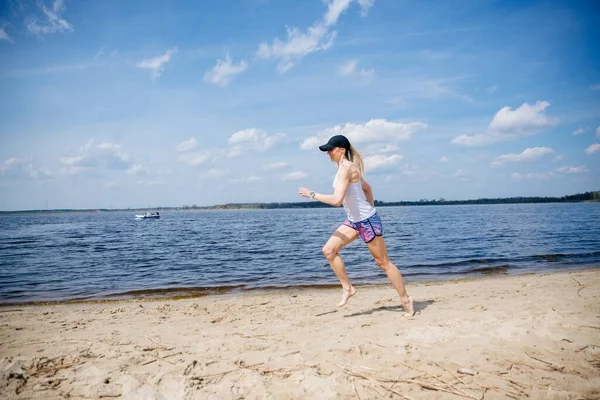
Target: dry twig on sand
<point>355,391</point>
<point>581,287</point>
<point>50,366</point>
<point>555,367</point>
<point>448,385</point>
<point>451,389</point>
<point>590,326</point>
<point>262,337</point>
<point>520,363</point>
<point>516,381</point>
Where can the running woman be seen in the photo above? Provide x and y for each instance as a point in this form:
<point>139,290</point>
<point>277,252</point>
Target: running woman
<point>356,195</point>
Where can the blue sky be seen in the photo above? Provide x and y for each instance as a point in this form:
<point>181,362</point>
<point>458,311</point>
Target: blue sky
<point>158,103</point>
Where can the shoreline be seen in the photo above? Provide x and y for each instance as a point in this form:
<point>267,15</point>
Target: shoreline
<point>529,335</point>
<point>238,290</point>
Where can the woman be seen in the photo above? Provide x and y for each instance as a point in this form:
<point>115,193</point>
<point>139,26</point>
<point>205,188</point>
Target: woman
<point>355,194</point>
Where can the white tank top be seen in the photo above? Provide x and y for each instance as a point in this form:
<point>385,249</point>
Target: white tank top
<point>355,203</point>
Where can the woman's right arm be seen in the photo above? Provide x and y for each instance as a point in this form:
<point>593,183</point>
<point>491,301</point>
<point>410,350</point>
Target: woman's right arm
<point>335,199</point>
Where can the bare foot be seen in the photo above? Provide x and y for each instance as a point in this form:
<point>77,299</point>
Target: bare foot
<point>409,309</point>
<point>346,294</point>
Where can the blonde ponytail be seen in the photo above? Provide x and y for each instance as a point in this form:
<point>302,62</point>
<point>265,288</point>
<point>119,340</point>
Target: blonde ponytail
<point>354,156</point>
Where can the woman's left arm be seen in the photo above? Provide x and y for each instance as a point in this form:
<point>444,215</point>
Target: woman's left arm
<point>368,192</point>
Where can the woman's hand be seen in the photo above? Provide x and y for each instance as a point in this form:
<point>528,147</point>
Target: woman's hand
<point>304,192</point>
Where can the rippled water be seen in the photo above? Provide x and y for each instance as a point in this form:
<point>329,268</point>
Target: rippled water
<point>66,256</point>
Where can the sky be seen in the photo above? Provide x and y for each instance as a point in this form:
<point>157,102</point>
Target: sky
<point>117,104</point>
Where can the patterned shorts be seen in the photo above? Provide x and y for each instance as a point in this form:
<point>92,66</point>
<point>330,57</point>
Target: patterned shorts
<point>368,228</point>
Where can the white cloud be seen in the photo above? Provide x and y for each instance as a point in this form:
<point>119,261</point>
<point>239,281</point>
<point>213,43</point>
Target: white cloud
<point>70,161</point>
<point>444,159</point>
<point>508,124</point>
<point>9,164</point>
<point>4,35</point>
<point>459,173</point>
<point>95,156</point>
<point>251,139</point>
<point>595,87</point>
<point>55,22</point>
<point>195,159</point>
<point>593,148</point>
<point>294,176</point>
<point>532,176</point>
<point>99,53</point>
<point>102,53</point>
<point>364,6</point>
<point>275,165</point>
<point>248,179</point>
<point>42,173</point>
<point>187,145</point>
<point>409,170</point>
<point>473,140</point>
<point>348,69</point>
<point>108,146</point>
<point>136,169</point>
<point>378,161</point>
<point>491,89</point>
<point>558,158</point>
<point>156,64</point>
<point>379,149</point>
<point>225,71</point>
<point>232,152</point>
<point>376,130</point>
<point>578,131</point>
<point>406,169</point>
<point>567,169</point>
<point>524,118</point>
<point>367,74</point>
<point>24,168</point>
<point>389,148</point>
<point>334,10</point>
<point>299,44</point>
<point>529,154</point>
<point>214,173</point>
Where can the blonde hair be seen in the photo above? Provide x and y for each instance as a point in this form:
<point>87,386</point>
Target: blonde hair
<point>354,156</point>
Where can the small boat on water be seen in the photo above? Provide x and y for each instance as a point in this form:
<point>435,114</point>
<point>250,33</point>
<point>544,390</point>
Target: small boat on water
<point>148,215</point>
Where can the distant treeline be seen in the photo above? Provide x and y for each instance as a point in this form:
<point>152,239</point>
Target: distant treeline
<point>579,197</point>
<point>587,196</point>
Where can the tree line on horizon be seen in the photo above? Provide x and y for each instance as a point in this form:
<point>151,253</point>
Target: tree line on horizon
<point>579,197</point>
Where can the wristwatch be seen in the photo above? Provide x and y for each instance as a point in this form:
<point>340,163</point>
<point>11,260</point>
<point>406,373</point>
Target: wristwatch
<point>312,195</point>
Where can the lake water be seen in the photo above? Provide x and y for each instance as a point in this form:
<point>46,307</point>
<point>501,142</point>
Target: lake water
<point>72,256</point>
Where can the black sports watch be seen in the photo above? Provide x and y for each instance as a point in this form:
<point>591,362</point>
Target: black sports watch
<point>312,195</point>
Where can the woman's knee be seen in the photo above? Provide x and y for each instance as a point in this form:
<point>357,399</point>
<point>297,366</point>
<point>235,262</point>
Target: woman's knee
<point>329,252</point>
<point>384,263</point>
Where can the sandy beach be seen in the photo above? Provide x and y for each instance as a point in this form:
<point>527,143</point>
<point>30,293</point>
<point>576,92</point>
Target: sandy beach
<point>533,336</point>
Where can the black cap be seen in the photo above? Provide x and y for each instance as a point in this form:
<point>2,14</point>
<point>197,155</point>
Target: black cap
<point>336,141</point>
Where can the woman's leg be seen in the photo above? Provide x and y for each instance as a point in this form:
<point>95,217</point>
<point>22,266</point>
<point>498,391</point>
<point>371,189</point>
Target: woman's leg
<point>343,236</point>
<point>380,254</point>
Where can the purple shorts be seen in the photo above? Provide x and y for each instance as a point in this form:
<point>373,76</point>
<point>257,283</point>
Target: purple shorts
<point>368,228</point>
